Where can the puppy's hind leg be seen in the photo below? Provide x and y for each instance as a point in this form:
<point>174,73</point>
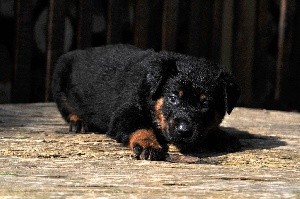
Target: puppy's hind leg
<point>68,113</point>
<point>60,82</point>
<point>75,123</point>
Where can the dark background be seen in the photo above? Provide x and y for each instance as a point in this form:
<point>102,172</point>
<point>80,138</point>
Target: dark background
<point>258,40</point>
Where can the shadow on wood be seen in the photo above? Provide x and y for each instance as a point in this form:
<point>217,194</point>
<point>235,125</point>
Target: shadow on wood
<point>248,141</point>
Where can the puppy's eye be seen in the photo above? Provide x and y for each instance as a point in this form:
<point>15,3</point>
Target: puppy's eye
<point>173,99</point>
<point>205,106</point>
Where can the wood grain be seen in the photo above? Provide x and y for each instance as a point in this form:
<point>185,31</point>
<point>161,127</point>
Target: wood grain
<point>40,159</point>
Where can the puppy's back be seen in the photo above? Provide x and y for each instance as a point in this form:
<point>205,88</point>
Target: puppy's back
<point>94,83</point>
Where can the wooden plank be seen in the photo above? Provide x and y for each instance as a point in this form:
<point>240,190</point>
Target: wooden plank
<point>284,91</point>
<point>281,54</point>
<point>169,25</point>
<point>84,24</point>
<point>227,32</point>
<point>117,13</point>
<point>55,40</point>
<point>293,89</point>
<point>200,28</point>
<point>23,51</point>
<point>263,60</point>
<point>141,23</point>
<point>40,159</point>
<point>216,32</point>
<point>243,46</point>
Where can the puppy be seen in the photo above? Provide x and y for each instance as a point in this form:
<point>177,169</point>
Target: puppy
<point>146,99</point>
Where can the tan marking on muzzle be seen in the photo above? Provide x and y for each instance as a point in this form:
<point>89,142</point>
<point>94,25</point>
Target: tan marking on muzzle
<point>159,116</point>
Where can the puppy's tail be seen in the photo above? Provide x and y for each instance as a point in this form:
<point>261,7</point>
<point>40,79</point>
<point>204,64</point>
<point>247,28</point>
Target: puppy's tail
<point>60,80</point>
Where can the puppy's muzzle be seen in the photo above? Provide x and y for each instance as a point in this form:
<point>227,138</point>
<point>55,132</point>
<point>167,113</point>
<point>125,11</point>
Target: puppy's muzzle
<point>183,127</point>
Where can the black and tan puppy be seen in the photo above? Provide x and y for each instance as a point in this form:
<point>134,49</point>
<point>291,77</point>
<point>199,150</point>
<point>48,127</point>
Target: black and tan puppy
<point>146,99</point>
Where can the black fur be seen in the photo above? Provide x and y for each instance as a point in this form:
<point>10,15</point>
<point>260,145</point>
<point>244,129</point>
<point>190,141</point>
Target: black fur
<point>114,90</point>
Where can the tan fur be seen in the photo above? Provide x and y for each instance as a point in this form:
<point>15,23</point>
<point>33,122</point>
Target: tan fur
<point>180,93</point>
<point>159,114</point>
<point>145,138</point>
<point>202,97</point>
<point>73,118</point>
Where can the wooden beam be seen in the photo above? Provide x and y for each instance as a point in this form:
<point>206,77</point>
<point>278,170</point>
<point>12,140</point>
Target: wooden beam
<point>55,40</point>
<point>117,12</point>
<point>216,31</point>
<point>23,51</point>
<point>227,32</point>
<point>243,46</point>
<point>141,23</point>
<point>169,24</point>
<point>84,24</point>
<point>281,53</point>
<point>263,60</point>
<point>200,28</point>
<point>293,90</point>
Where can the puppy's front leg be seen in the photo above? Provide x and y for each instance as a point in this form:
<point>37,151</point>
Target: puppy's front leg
<point>144,145</point>
<point>130,127</point>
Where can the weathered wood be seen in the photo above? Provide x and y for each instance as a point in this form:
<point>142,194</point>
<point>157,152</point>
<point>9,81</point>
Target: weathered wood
<point>40,159</point>
<point>23,51</point>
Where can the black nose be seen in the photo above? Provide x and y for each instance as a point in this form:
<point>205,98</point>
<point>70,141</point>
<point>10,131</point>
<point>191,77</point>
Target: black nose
<point>184,128</point>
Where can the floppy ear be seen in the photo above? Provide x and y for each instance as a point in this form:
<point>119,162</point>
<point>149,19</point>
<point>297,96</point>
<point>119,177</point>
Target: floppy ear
<point>158,73</point>
<point>232,91</point>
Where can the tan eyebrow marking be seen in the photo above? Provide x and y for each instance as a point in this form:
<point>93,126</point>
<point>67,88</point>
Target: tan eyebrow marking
<point>160,118</point>
<point>180,93</point>
<point>202,97</point>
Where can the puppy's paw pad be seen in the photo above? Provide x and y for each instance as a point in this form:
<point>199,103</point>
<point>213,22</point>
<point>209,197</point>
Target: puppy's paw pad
<point>150,153</point>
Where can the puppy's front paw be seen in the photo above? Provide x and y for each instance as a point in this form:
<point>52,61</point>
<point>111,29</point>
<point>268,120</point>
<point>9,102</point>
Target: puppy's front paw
<point>145,146</point>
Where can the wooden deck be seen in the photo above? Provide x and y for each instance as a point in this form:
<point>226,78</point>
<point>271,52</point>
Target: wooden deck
<point>40,159</point>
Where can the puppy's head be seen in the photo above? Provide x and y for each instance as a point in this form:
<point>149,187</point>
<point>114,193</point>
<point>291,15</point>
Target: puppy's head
<point>191,97</point>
